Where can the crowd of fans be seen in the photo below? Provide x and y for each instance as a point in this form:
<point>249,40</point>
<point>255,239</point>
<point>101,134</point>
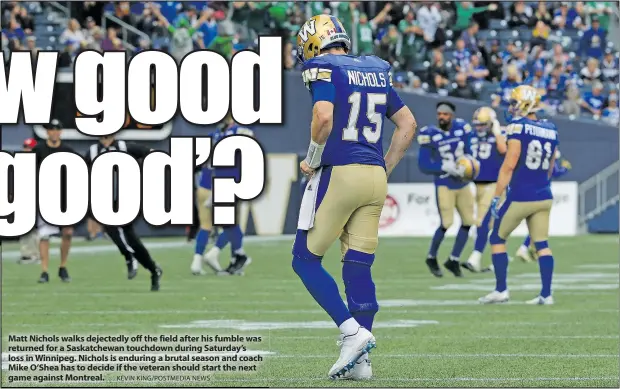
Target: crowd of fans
<point>472,50</point>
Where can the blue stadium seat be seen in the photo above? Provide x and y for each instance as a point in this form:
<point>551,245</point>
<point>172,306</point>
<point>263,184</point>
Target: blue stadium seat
<point>498,24</point>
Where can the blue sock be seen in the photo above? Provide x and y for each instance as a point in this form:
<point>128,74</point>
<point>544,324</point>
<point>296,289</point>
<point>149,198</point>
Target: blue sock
<point>500,265</point>
<point>436,242</point>
<point>460,242</point>
<point>483,233</point>
<point>527,241</point>
<point>322,287</point>
<point>222,240</point>
<point>359,287</point>
<point>235,236</point>
<point>545,263</point>
<point>202,238</point>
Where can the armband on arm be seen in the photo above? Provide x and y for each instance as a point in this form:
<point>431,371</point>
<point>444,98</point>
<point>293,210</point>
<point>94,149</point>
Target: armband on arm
<point>315,152</point>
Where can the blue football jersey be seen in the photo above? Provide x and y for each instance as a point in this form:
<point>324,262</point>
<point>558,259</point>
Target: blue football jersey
<point>539,140</point>
<point>206,175</point>
<point>361,90</point>
<point>234,171</point>
<point>437,146</point>
<point>484,149</point>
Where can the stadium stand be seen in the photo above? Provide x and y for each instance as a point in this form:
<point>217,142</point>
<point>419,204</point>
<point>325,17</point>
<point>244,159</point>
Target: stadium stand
<point>473,50</point>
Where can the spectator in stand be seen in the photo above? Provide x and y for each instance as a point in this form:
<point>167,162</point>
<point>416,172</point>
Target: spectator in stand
<point>470,38</point>
<point>224,42</point>
<point>73,35</point>
<point>65,59</point>
<point>591,72</point>
<point>429,19</point>
<point>513,80</point>
<point>520,15</point>
<point>465,10</point>
<point>415,86</point>
<point>593,101</point>
<point>540,34</point>
<point>208,29</point>
<point>609,66</point>
<point>567,17</point>
<point>107,43</point>
<point>556,87</point>
<point>122,11</point>
<point>602,10</point>
<point>611,114</point>
<point>571,106</point>
<point>557,57</point>
<point>388,44</point>
<point>496,69</point>
<point>25,21</point>
<point>537,79</point>
<point>542,14</point>
<point>476,71</point>
<point>463,89</point>
<point>461,56</point>
<point>95,40</point>
<point>412,38</point>
<point>31,45</point>
<point>14,31</point>
<point>594,40</point>
<point>181,42</point>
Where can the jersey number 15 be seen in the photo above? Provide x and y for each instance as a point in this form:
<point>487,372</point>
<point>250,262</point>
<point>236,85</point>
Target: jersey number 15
<point>372,134</point>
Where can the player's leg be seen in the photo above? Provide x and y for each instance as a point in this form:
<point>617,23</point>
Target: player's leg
<point>141,254</point>
<point>45,231</point>
<point>202,237</point>
<point>538,225</point>
<point>29,247</point>
<point>446,201</point>
<point>239,259</point>
<point>66,235</point>
<point>358,245</point>
<point>510,216</point>
<point>484,195</point>
<point>117,236</point>
<point>465,207</point>
<point>340,191</point>
<point>523,252</point>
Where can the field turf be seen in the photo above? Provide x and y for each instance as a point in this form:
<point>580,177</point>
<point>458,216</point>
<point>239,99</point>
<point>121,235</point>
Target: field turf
<point>430,332</point>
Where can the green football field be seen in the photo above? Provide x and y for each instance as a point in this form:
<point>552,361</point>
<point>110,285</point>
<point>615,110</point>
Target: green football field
<point>430,332</point>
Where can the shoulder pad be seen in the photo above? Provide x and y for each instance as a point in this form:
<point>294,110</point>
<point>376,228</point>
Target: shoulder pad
<point>424,139</point>
<point>317,69</point>
<point>514,128</point>
<point>428,130</point>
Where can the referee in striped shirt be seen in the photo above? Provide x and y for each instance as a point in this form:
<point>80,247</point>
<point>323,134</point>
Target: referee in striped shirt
<point>125,237</point>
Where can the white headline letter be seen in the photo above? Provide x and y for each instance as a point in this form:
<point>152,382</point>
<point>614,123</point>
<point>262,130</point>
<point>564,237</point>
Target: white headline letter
<point>113,104</point>
<point>124,187</point>
<point>36,91</point>
<point>218,87</point>
<point>270,63</point>
<point>140,87</point>
<point>24,201</point>
<point>76,189</point>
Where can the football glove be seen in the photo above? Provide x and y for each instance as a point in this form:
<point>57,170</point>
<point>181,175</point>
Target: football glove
<point>495,207</point>
<point>451,169</point>
<point>565,164</point>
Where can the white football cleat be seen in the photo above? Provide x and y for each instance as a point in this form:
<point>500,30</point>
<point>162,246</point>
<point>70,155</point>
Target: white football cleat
<point>540,300</point>
<point>196,267</point>
<point>352,347</point>
<point>212,259</point>
<point>361,371</point>
<point>473,262</point>
<point>495,297</point>
<point>524,254</point>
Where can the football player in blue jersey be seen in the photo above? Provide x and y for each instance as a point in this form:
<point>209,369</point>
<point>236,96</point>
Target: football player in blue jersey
<point>233,234</point>
<point>440,148</point>
<point>527,251</point>
<point>525,175</point>
<point>204,201</point>
<point>351,96</point>
<point>489,146</point>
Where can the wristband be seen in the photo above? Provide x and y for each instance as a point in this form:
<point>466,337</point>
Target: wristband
<point>315,152</point>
